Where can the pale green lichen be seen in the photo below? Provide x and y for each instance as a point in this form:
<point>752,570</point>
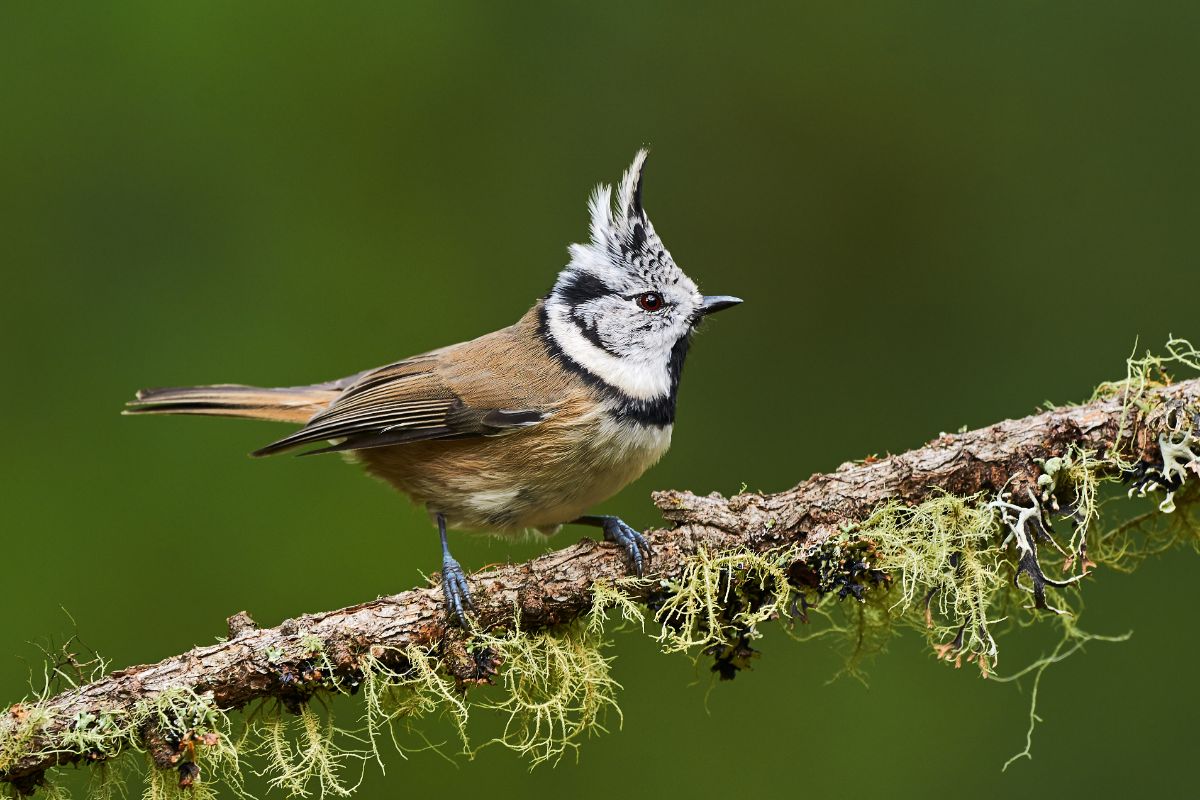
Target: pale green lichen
<point>974,562</point>
<point>608,595</point>
<point>557,688</point>
<point>942,557</point>
<point>1072,641</point>
<point>202,735</point>
<point>108,780</point>
<point>436,691</point>
<point>1149,372</point>
<point>393,700</point>
<point>858,630</point>
<point>28,721</point>
<point>696,612</point>
<point>1123,547</point>
<point>1069,485</point>
<point>312,644</point>
<point>303,754</point>
<point>101,735</point>
<point>1141,376</point>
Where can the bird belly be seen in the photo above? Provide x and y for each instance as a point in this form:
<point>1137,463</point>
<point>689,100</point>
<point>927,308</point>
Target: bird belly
<point>540,477</point>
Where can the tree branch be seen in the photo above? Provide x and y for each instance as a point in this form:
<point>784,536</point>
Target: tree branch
<point>557,587</point>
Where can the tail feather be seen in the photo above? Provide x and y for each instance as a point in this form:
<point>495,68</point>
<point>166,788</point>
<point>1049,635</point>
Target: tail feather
<point>289,404</point>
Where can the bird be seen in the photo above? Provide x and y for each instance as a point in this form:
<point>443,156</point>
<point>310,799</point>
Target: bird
<point>524,428</point>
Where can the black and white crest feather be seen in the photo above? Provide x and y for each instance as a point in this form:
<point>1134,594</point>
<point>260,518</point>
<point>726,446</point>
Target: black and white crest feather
<point>592,320</point>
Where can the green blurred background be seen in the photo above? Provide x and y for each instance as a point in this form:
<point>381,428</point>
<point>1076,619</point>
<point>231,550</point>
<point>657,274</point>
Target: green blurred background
<point>939,214</point>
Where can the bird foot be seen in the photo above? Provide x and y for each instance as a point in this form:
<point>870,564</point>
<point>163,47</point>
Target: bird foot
<point>637,550</point>
<point>456,591</point>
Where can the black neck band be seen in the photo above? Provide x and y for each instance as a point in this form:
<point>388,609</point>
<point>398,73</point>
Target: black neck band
<point>658,412</point>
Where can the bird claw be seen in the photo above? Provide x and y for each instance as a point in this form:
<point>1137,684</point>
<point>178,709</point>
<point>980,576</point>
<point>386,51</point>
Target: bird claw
<point>637,550</point>
<point>456,591</point>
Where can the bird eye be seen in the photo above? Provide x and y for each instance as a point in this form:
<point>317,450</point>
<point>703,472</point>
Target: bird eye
<point>650,301</point>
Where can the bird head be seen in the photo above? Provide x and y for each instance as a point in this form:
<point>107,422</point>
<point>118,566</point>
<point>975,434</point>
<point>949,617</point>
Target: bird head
<point>622,309</point>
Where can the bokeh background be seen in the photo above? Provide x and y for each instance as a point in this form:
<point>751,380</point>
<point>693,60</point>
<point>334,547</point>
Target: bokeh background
<point>939,214</point>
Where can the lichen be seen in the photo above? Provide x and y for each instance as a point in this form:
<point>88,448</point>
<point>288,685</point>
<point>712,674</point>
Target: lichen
<point>1027,526</point>
<point>1142,375</point>
<point>557,688</point>
<point>436,690</point>
<point>1123,547</point>
<point>1069,487</point>
<point>98,736</point>
<point>28,721</point>
<point>395,699</point>
<point>108,780</point>
<point>1170,472</point>
<point>312,644</point>
<point>194,749</point>
<point>614,595</point>
<point>943,559</point>
<point>303,753</point>
<point>1072,641</point>
<point>859,630</point>
<point>720,598</point>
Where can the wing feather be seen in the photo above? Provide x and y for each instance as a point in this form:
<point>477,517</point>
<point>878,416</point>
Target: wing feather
<point>402,402</point>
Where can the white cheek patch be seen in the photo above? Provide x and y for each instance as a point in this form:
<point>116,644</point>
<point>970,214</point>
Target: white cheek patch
<point>642,377</point>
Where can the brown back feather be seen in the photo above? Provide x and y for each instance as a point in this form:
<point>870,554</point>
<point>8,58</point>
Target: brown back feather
<point>496,384</point>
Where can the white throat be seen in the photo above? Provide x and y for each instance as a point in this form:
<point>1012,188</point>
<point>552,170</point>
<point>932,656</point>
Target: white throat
<point>641,377</point>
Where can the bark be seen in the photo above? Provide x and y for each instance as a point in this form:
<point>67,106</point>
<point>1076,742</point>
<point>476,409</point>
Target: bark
<point>556,587</point>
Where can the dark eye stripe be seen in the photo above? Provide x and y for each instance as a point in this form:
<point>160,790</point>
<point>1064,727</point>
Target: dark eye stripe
<point>583,287</point>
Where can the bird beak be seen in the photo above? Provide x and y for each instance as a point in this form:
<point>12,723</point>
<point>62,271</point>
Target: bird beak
<point>718,302</point>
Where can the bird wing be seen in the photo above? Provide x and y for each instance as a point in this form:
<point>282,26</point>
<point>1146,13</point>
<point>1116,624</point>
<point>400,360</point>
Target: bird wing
<point>432,396</point>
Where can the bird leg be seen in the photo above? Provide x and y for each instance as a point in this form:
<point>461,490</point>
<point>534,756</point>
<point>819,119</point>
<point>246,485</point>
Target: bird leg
<point>637,549</point>
<point>454,581</point>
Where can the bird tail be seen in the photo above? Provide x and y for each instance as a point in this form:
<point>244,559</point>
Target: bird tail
<point>289,404</point>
